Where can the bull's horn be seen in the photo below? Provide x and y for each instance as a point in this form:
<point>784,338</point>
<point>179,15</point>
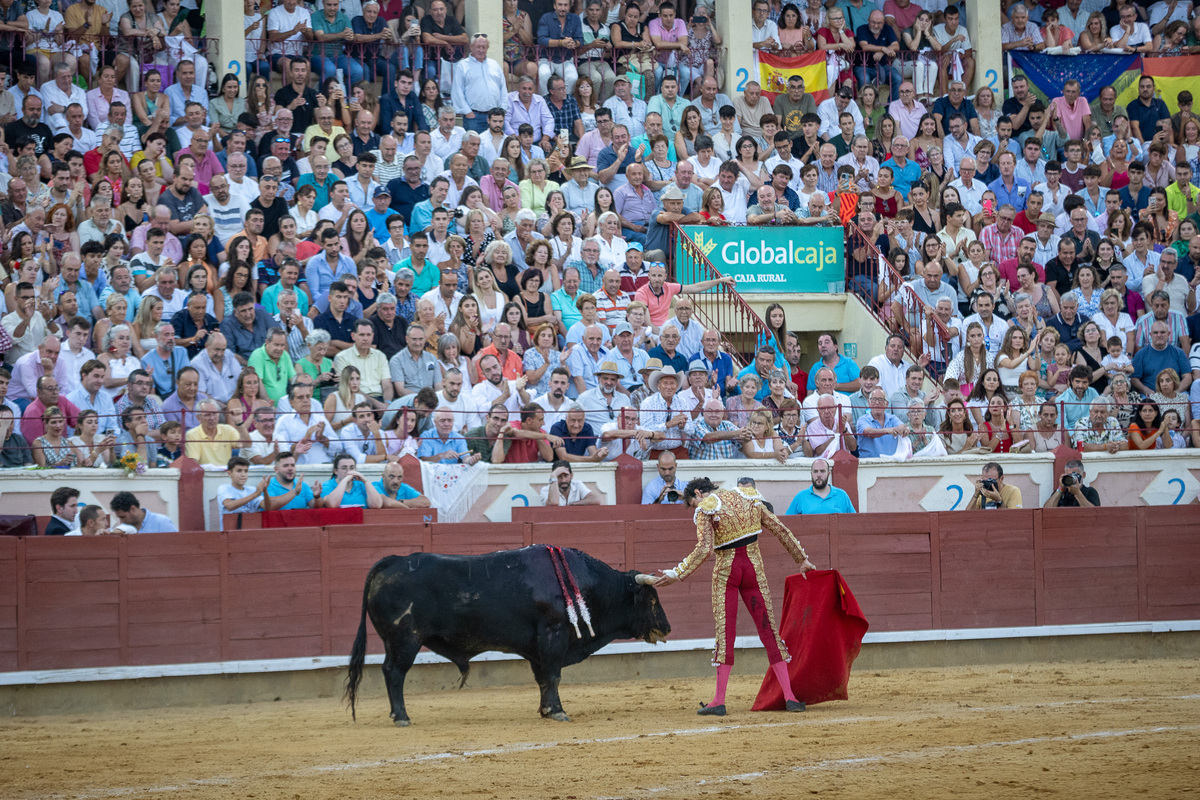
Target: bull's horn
<point>645,579</point>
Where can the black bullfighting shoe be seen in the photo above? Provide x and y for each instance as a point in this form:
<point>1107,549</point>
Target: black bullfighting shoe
<point>794,705</point>
<point>711,711</point>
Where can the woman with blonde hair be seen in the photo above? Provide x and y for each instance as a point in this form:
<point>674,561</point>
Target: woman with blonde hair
<point>118,360</point>
<point>52,449</point>
<point>115,307</point>
<point>149,314</point>
<point>477,236</point>
<point>763,443</point>
<point>986,112</point>
<point>1168,396</point>
<point>491,300</point>
<point>712,207</point>
<point>340,403</point>
<point>498,259</point>
<point>1094,38</point>
<point>456,248</point>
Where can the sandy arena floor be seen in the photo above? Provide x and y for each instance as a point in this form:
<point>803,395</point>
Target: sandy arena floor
<point>1094,730</point>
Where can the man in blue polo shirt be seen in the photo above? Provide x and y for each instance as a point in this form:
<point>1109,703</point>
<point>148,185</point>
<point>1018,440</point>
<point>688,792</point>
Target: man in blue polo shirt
<point>127,509</point>
<point>843,366</point>
<point>444,445</point>
<point>285,492</point>
<point>337,321</point>
<point>821,497</point>
<point>1009,189</point>
<point>1146,112</point>
<point>395,492</point>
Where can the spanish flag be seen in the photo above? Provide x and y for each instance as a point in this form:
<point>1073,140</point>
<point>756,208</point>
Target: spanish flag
<point>1171,76</point>
<point>774,71</point>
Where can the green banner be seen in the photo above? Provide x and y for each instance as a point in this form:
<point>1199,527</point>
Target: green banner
<point>769,258</point>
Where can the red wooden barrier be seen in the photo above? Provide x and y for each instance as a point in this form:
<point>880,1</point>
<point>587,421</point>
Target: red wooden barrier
<point>188,597</point>
<point>370,516</point>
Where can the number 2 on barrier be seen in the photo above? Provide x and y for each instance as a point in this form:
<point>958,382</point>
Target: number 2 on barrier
<point>744,75</point>
<point>1182,489</point>
<point>235,67</point>
<point>958,489</point>
<point>992,76</point>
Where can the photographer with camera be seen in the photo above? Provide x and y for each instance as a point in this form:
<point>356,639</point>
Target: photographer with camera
<point>666,489</point>
<point>992,492</point>
<point>1071,492</point>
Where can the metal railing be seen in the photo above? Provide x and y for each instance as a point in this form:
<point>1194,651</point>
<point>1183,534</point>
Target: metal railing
<point>428,60</point>
<point>892,301</point>
<point>722,307</point>
<point>17,48</point>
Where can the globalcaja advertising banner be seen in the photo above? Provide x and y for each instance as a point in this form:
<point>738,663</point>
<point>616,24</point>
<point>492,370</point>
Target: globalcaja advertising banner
<point>769,258</point>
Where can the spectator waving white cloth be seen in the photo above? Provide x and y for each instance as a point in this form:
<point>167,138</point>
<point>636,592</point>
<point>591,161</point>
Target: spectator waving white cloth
<point>904,451</point>
<point>177,49</point>
<point>835,444</point>
<point>453,488</point>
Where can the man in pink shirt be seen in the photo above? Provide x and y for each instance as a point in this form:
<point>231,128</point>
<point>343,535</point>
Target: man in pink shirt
<point>657,292</point>
<point>1073,114</point>
<point>900,14</point>
<point>31,366</point>
<point>907,110</point>
<point>595,140</point>
<point>494,183</point>
<point>207,163</point>
<point>670,39</point>
<point>103,96</point>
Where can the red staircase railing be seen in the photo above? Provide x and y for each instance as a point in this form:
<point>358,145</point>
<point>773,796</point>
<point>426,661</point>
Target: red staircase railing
<point>894,304</point>
<point>722,307</point>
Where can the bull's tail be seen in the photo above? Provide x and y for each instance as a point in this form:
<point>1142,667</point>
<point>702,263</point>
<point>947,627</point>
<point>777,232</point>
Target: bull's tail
<point>358,653</point>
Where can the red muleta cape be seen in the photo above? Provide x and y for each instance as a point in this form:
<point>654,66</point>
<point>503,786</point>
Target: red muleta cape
<point>823,627</point>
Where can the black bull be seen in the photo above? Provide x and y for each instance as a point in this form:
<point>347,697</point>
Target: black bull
<point>510,601</point>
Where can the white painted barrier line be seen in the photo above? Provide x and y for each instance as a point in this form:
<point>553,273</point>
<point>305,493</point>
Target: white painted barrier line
<point>900,756</point>
<point>519,748</point>
<point>251,666</point>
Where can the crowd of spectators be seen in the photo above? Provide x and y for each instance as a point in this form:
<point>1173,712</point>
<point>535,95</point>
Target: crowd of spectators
<point>473,266</point>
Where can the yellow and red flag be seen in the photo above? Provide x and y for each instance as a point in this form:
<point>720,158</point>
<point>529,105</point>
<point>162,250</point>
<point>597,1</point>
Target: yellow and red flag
<point>774,71</point>
<point>1171,76</point>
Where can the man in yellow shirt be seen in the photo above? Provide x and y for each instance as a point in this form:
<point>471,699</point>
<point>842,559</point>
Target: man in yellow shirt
<point>1182,197</point>
<point>211,442</point>
<point>322,126</point>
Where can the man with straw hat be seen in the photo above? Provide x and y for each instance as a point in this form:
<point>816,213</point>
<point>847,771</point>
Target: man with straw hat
<point>602,403</point>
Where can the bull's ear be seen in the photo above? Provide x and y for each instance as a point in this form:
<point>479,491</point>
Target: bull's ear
<point>644,579</point>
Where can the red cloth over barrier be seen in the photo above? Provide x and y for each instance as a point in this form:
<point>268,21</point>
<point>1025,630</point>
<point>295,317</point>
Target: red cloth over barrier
<point>823,628</point>
<point>312,517</point>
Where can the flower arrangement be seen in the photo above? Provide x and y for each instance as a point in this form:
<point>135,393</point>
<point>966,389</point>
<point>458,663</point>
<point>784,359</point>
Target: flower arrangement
<point>132,466</point>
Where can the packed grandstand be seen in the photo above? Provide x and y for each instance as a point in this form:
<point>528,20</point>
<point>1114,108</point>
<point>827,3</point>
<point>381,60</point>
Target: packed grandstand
<point>387,235</point>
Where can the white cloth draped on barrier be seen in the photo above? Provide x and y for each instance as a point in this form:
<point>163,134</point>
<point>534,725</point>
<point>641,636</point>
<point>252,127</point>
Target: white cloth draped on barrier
<point>453,488</point>
<point>904,450</point>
